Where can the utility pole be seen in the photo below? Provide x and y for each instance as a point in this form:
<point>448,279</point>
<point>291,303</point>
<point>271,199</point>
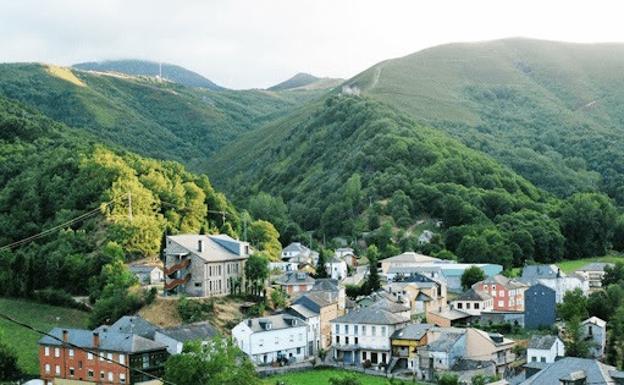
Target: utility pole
<point>130,206</point>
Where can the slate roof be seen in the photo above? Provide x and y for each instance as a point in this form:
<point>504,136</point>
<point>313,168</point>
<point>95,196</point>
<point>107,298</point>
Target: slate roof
<point>110,341</point>
<point>410,257</point>
<point>444,343</point>
<point>278,322</point>
<point>326,284</point>
<point>295,247</point>
<point>542,342</point>
<point>215,248</point>
<point>499,279</point>
<point>412,332</point>
<point>596,321</point>
<point>388,305</point>
<point>370,316</point>
<point>540,271</point>
<point>130,325</point>
<point>195,331</point>
<point>451,314</point>
<point>302,311</point>
<point>473,295</point>
<point>142,269</point>
<point>295,278</point>
<point>595,372</point>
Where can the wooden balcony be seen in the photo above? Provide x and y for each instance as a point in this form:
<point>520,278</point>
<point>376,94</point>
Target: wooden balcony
<point>177,282</point>
<point>178,266</point>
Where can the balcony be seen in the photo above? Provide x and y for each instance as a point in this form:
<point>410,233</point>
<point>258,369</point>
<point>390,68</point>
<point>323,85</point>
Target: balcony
<point>177,267</point>
<point>177,282</point>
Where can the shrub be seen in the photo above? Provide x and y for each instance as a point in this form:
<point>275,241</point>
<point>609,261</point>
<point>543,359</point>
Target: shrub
<point>194,310</point>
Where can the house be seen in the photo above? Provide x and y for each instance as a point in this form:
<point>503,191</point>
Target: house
<point>398,308</point>
<point>60,359</point>
<point>553,277</point>
<point>203,265</point>
<point>362,336</point>
<point>545,349</point>
<point>576,371</point>
<point>130,325</point>
<point>595,330</point>
<point>444,348</point>
<point>540,307</point>
<point>147,275</point>
<point>294,282</point>
<point>176,337</point>
<point>348,255</point>
<point>405,343</point>
<point>281,337</point>
<point>507,294</point>
<point>283,266</point>
<point>336,268</point>
<point>327,305</point>
<point>298,253</point>
<point>484,346</point>
<point>425,237</point>
<point>473,302</point>
<point>447,318</point>
<point>313,320</point>
<point>593,274</point>
<point>423,293</point>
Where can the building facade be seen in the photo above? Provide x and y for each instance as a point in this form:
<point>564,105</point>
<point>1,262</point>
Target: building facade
<point>545,349</point>
<point>507,294</point>
<point>540,306</point>
<point>473,302</point>
<point>204,265</point>
<point>62,360</point>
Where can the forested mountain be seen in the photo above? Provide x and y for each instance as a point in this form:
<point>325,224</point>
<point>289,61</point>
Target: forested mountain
<point>306,81</point>
<point>350,166</point>
<point>169,72</point>
<point>158,119</point>
<point>549,110</point>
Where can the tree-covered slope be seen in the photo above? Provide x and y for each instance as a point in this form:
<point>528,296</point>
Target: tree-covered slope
<point>51,174</point>
<point>158,119</point>
<point>170,72</point>
<point>551,111</point>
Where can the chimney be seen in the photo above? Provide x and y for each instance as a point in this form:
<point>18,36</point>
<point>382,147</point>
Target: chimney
<point>96,340</point>
<point>65,335</point>
<point>200,245</point>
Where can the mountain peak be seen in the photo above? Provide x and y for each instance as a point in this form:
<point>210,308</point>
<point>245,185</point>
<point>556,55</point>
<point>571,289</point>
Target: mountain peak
<point>303,80</point>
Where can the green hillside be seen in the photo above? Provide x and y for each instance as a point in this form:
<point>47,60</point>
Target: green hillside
<point>353,167</point>
<point>158,119</point>
<point>304,81</point>
<point>551,111</point>
<point>169,72</point>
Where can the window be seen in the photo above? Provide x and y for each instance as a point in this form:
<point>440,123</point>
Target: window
<point>47,351</point>
<point>346,328</point>
<point>542,359</point>
<point>373,330</point>
<point>364,356</point>
<point>383,331</point>
<point>122,378</point>
<point>57,352</point>
<point>298,350</point>
<point>494,290</point>
<point>122,359</point>
<point>198,284</point>
<point>90,373</point>
<point>355,330</point>
<point>71,352</point>
<point>460,305</point>
<point>467,305</point>
<point>110,376</point>
<point>47,368</point>
<point>71,372</point>
<point>337,329</point>
<point>346,340</point>
<point>476,305</point>
<point>363,330</point>
<point>590,331</point>
<point>102,375</point>
<point>57,370</point>
<point>501,304</point>
<point>89,356</point>
<point>337,339</point>
<point>533,359</point>
<point>501,293</point>
<point>300,336</point>
<point>101,356</point>
<point>356,340</point>
<point>109,356</point>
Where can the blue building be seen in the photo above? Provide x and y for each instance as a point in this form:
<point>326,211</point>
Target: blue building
<point>540,308</point>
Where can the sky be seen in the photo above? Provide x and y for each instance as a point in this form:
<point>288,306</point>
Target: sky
<point>257,43</point>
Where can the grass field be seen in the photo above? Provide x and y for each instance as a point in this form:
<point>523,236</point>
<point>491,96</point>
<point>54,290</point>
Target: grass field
<point>570,266</point>
<point>322,376</point>
<point>43,317</point>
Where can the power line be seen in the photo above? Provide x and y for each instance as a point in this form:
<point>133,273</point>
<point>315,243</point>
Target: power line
<point>81,217</point>
<point>77,347</point>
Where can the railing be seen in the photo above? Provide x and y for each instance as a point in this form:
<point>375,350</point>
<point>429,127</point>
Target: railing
<point>178,266</point>
<point>177,282</point>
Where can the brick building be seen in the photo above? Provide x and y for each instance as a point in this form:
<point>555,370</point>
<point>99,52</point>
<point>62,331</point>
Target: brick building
<point>62,360</point>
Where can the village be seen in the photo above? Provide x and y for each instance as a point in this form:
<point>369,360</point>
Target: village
<point>422,319</point>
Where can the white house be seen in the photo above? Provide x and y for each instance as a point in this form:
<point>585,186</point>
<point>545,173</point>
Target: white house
<point>364,335</point>
<point>313,320</point>
<point>274,338</point>
<point>473,302</point>
<point>336,268</point>
<point>298,253</point>
<point>147,275</point>
<point>283,266</point>
<point>595,330</point>
<point>545,349</point>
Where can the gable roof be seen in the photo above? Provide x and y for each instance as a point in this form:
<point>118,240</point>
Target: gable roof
<point>195,331</point>
<point>278,322</point>
<point>326,284</point>
<point>540,271</point>
<point>130,325</point>
<point>370,316</point>
<point>445,342</point>
<point>542,342</point>
<point>595,266</point>
<point>595,372</point>
<point>110,341</point>
<point>410,257</point>
<point>473,295</point>
<point>215,248</point>
<point>596,321</point>
<point>302,311</point>
<point>388,305</point>
<point>296,247</point>
<point>295,278</point>
<point>412,332</point>
<point>142,269</point>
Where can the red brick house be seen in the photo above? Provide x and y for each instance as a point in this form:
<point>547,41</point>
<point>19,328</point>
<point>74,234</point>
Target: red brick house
<point>507,294</point>
<point>62,360</point>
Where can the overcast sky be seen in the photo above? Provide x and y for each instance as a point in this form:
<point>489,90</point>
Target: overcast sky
<point>256,43</point>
